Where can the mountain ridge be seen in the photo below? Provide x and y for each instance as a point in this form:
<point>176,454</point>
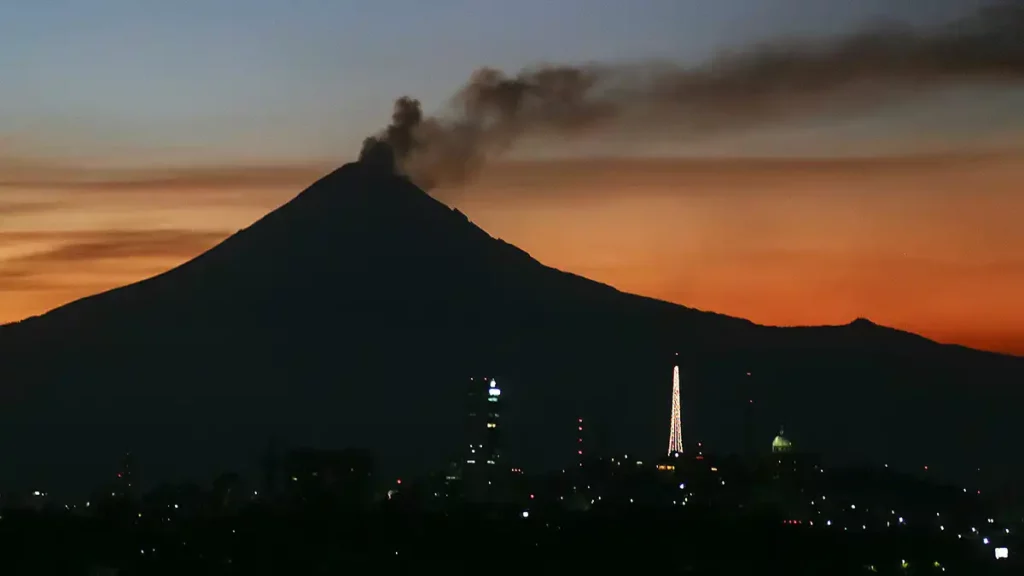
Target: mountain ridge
<point>859,323</point>
<point>354,314</point>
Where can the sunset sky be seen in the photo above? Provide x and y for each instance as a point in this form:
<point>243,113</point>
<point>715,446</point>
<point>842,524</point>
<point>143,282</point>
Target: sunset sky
<point>135,134</point>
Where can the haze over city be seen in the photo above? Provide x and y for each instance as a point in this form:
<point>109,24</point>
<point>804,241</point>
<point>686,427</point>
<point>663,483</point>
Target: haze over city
<point>116,164</point>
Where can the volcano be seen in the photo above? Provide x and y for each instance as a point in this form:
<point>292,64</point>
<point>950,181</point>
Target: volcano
<point>355,314</point>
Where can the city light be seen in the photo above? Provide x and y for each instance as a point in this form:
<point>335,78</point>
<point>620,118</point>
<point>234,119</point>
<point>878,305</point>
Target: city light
<point>675,439</point>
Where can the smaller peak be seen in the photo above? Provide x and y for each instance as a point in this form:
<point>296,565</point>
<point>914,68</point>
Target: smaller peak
<point>864,322</point>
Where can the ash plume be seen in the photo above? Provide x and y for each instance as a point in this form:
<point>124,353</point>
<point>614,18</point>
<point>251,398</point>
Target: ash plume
<point>735,91</point>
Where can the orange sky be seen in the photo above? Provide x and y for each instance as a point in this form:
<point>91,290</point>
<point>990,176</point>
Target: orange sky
<point>930,244</point>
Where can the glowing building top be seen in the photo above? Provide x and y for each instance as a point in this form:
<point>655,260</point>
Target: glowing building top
<point>781,444</point>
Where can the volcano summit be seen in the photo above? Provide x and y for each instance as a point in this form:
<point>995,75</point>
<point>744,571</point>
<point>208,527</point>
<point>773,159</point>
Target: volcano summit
<point>353,316</point>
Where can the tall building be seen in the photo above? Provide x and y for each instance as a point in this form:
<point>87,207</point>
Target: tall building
<point>482,422</point>
<point>482,474</point>
<point>125,482</point>
<point>580,444</point>
<point>749,438</point>
<point>271,465</point>
<point>675,438</point>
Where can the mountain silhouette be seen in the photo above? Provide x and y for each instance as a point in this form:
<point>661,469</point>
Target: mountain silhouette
<point>354,315</point>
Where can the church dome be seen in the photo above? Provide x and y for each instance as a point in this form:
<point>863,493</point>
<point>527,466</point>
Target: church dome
<point>781,444</point>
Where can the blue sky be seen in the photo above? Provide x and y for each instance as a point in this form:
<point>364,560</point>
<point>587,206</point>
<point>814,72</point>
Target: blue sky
<point>308,77</point>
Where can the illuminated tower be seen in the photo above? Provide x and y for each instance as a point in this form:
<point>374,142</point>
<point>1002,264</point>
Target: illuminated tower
<point>125,482</point>
<point>579,440</point>
<point>482,477</point>
<point>492,452</point>
<point>483,431</point>
<point>675,438</point>
<point>749,440</point>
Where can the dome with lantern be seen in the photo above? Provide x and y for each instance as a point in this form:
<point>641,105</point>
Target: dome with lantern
<point>781,443</point>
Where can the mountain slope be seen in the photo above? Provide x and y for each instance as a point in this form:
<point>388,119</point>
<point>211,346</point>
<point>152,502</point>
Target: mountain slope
<point>354,314</point>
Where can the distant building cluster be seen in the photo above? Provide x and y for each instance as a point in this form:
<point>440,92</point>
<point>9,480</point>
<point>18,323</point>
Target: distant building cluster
<point>782,483</point>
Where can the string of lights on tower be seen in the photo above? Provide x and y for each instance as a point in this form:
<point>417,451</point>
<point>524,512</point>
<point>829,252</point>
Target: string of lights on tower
<point>675,438</point>
<point>579,440</point>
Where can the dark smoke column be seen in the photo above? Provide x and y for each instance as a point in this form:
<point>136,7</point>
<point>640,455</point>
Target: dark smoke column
<point>378,154</point>
<point>756,85</point>
<point>389,149</point>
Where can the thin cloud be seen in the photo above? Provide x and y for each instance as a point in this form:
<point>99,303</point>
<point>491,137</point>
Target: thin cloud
<point>18,279</point>
<point>8,209</point>
<point>44,175</point>
<point>114,244</point>
<point>111,244</point>
<point>605,176</point>
<point>83,251</point>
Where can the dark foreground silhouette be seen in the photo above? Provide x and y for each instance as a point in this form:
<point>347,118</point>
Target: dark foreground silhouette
<point>495,540</point>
